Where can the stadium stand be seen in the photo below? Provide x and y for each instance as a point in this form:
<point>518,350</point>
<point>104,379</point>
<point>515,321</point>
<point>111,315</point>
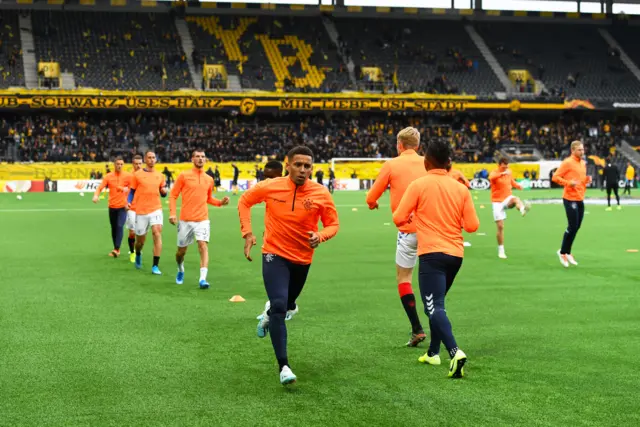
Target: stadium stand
<point>569,59</point>
<point>120,51</point>
<point>430,56</point>
<point>474,138</point>
<point>11,66</point>
<point>285,53</point>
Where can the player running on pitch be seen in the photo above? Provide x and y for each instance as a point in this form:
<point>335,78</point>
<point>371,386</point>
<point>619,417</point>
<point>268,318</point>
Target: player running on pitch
<point>502,199</point>
<point>294,205</point>
<point>117,183</point>
<point>440,208</point>
<point>131,214</point>
<point>146,187</point>
<point>399,173</point>
<point>196,188</point>
<point>572,175</point>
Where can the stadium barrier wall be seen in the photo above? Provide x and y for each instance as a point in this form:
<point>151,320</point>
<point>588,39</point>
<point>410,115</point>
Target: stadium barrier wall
<point>91,185</point>
<point>343,170</point>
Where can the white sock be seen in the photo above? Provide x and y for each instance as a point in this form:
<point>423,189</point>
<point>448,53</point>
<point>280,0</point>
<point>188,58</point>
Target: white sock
<point>522,209</point>
<point>203,273</point>
<point>181,267</point>
<point>501,249</point>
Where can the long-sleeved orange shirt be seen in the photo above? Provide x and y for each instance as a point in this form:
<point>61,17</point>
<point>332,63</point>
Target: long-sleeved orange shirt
<point>458,176</point>
<point>572,169</point>
<point>292,211</point>
<point>196,188</point>
<point>398,172</point>
<point>116,183</point>
<point>501,185</point>
<point>443,207</point>
<point>147,187</point>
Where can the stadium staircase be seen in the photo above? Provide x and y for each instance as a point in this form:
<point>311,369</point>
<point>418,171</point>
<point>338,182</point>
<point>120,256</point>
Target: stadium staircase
<point>28,52</point>
<point>233,83</point>
<point>490,58</point>
<point>334,35</point>
<point>280,64</point>
<point>626,60</point>
<point>67,81</point>
<point>630,153</point>
<point>187,46</point>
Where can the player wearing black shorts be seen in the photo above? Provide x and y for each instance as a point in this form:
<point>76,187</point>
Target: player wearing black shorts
<point>612,176</point>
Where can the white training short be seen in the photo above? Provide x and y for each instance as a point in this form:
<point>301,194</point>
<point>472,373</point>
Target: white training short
<point>407,250</point>
<point>500,209</point>
<point>131,220</point>
<point>188,231</point>
<point>144,222</point>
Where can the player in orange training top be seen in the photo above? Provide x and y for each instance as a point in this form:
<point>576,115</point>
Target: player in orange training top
<point>196,188</point>
<point>399,173</point>
<point>146,187</point>
<point>440,208</point>
<point>131,213</point>
<point>502,199</point>
<point>117,183</point>
<point>572,175</point>
<point>458,176</point>
<point>294,206</point>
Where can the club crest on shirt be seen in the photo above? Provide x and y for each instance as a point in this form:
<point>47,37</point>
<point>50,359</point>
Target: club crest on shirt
<point>307,204</point>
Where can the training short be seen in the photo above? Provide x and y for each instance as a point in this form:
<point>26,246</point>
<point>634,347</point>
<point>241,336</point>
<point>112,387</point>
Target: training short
<point>188,231</point>
<point>407,250</point>
<point>144,222</point>
<point>500,209</point>
<point>131,220</point>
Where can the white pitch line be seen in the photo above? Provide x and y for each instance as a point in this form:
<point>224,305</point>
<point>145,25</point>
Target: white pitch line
<point>104,209</point>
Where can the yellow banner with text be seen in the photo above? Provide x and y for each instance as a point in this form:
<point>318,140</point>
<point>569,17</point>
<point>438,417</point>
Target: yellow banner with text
<point>360,170</point>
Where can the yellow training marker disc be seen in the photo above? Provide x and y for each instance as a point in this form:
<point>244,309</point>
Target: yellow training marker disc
<point>632,250</point>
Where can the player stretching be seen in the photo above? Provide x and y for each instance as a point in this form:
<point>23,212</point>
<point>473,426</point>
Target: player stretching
<point>399,173</point>
<point>294,206</point>
<point>131,214</point>
<point>196,188</point>
<point>146,186</point>
<point>572,175</point>
<point>501,198</point>
<point>440,209</point>
<point>116,181</point>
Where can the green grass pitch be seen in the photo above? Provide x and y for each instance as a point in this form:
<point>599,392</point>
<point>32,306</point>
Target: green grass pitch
<point>86,340</point>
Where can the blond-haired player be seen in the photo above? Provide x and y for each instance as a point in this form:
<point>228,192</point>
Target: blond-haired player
<point>398,173</point>
<point>502,199</point>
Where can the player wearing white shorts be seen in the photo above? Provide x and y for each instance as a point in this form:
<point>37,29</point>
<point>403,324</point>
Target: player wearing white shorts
<point>131,214</point>
<point>194,225</point>
<point>398,173</point>
<point>147,186</point>
<point>502,199</point>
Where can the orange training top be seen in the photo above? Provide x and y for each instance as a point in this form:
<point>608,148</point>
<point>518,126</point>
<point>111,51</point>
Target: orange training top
<point>196,188</point>
<point>147,186</point>
<point>442,208</point>
<point>398,172</point>
<point>115,182</point>
<point>292,211</point>
<point>572,169</point>
<point>501,185</point>
<point>458,176</point>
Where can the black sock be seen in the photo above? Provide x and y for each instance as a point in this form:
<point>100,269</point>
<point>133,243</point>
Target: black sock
<point>409,303</point>
<point>132,242</point>
<point>156,260</point>
<point>283,362</point>
<point>138,252</point>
